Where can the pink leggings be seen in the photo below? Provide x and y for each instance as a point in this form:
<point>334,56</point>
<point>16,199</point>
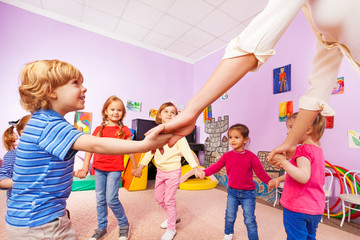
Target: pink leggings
<point>166,185</point>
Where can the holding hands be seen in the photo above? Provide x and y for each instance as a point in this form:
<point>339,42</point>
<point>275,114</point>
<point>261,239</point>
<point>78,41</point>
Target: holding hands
<point>278,160</point>
<point>199,173</point>
<point>81,173</point>
<point>274,183</point>
<point>137,172</point>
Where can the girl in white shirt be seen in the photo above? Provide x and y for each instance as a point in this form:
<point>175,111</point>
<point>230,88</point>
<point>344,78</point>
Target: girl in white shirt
<point>168,173</point>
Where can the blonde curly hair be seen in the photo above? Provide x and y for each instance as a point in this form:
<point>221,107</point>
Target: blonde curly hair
<point>40,78</point>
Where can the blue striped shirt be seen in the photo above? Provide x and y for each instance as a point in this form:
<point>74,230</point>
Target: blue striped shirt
<point>43,170</point>
<point>6,170</point>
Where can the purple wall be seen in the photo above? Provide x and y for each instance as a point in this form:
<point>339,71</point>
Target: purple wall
<point>252,102</point>
<point>109,66</point>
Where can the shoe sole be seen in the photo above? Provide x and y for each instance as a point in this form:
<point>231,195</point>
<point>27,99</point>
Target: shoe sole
<point>177,221</point>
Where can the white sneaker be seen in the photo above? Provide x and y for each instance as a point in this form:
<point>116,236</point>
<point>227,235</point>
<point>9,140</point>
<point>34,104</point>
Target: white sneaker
<point>228,237</point>
<point>169,235</point>
<point>163,225</point>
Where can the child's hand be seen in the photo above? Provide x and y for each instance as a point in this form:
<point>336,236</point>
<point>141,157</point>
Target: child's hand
<point>137,172</point>
<point>199,173</point>
<point>81,173</point>
<point>273,183</point>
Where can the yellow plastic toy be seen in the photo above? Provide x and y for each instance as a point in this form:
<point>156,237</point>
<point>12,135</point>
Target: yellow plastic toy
<point>132,183</point>
<point>195,183</point>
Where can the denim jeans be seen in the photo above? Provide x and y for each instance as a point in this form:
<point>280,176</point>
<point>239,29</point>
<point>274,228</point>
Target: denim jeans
<point>245,198</point>
<point>107,188</point>
<point>300,226</point>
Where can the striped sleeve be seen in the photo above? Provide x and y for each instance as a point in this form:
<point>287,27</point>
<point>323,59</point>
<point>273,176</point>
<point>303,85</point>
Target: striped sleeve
<point>58,137</point>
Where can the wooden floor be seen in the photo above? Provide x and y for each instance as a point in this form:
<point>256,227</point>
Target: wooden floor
<point>202,217</point>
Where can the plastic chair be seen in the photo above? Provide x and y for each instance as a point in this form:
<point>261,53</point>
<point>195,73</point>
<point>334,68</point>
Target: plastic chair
<point>327,191</point>
<point>278,192</point>
<point>351,196</point>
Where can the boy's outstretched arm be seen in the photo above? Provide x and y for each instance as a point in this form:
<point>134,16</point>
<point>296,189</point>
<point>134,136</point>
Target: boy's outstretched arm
<point>113,146</point>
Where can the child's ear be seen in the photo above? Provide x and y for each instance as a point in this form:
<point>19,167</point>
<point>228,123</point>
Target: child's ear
<point>310,130</point>
<point>52,95</point>
<point>246,139</point>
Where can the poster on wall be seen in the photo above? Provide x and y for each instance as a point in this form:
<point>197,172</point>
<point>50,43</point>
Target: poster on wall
<point>83,121</point>
<point>225,96</point>
<point>207,114</point>
<point>282,79</point>
<point>354,138</point>
<point>152,113</point>
<point>329,121</point>
<point>285,110</point>
<point>339,86</point>
<point>133,106</point>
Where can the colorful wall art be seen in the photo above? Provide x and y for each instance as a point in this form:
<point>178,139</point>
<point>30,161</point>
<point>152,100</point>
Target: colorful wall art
<point>225,96</point>
<point>285,110</point>
<point>282,79</point>
<point>83,121</point>
<point>152,113</point>
<point>354,138</point>
<point>133,106</point>
<point>339,86</point>
<point>207,113</point>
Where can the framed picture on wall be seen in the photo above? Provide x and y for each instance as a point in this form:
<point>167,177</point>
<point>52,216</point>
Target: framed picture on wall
<point>339,86</point>
<point>354,138</point>
<point>282,79</point>
<point>285,110</point>
<point>82,121</point>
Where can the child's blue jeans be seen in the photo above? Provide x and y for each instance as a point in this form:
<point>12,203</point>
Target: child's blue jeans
<point>300,226</point>
<point>245,198</point>
<point>107,188</point>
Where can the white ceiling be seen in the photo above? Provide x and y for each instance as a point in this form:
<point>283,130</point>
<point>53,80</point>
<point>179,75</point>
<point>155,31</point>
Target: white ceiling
<point>188,30</point>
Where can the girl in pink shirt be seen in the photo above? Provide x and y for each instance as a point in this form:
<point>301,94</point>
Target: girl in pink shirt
<point>240,164</point>
<point>303,197</point>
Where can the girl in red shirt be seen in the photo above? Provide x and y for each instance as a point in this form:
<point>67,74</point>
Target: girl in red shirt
<point>108,168</point>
